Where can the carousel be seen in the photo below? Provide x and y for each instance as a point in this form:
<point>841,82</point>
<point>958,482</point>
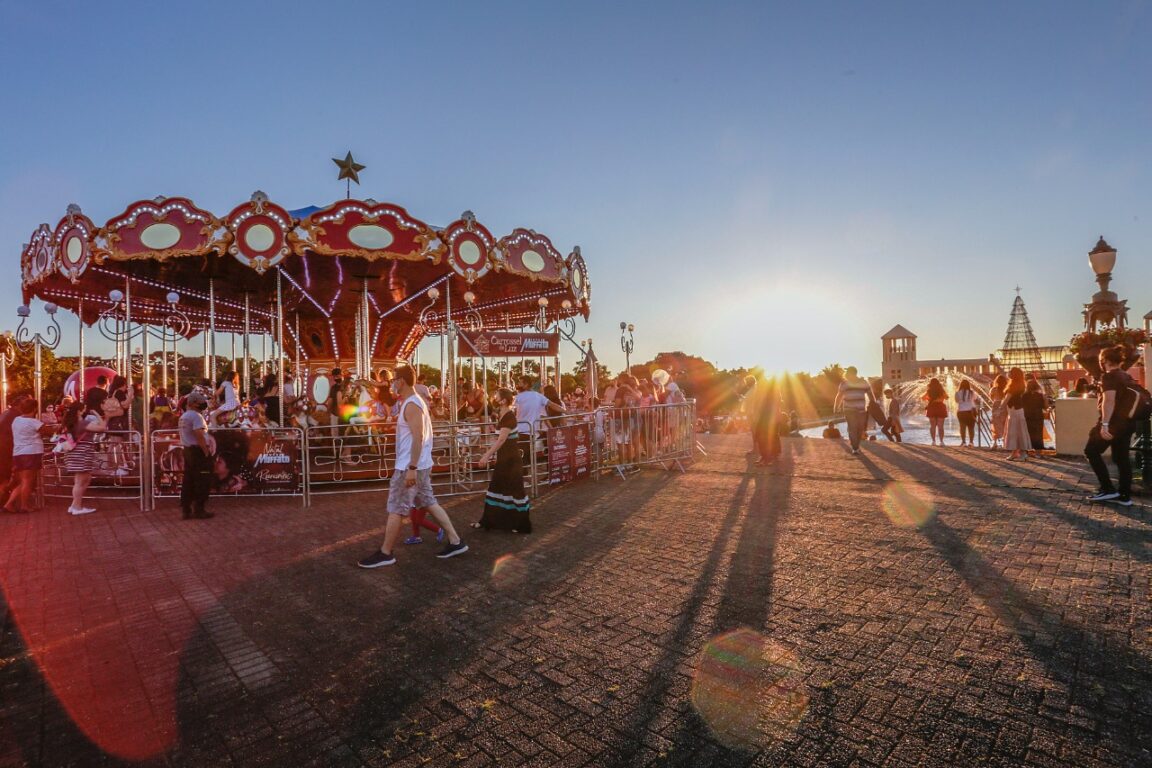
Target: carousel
<point>356,284</point>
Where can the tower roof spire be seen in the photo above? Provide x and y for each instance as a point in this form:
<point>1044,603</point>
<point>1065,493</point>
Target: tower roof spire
<point>1020,347</point>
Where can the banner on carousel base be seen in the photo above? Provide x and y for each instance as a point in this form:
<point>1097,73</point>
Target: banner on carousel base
<point>569,453</point>
<point>509,344</point>
<point>248,462</point>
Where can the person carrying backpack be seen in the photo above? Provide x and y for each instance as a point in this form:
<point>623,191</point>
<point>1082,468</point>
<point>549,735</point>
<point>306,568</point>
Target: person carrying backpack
<point>1123,404</point>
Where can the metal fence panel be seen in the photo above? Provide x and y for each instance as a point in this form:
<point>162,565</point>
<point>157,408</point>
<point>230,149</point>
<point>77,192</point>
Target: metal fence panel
<point>117,472</point>
<point>258,462</point>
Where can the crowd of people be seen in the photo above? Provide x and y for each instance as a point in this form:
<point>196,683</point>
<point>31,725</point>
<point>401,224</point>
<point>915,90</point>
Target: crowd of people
<point>98,435</point>
<point>1018,410</point>
<point>624,428</point>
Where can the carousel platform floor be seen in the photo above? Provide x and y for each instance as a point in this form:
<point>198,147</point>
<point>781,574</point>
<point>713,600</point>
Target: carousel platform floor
<point>912,607</point>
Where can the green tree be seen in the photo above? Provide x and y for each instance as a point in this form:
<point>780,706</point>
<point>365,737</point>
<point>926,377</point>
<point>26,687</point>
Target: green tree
<point>54,372</point>
<point>834,372</point>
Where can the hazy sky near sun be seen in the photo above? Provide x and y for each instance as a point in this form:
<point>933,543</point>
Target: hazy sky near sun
<point>755,183</point>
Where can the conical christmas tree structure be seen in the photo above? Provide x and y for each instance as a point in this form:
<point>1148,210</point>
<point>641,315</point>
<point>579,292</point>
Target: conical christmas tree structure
<point>1020,348</point>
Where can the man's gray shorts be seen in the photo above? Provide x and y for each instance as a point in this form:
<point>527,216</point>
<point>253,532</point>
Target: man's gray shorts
<point>402,499</point>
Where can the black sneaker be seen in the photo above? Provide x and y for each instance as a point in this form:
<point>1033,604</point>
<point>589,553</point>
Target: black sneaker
<point>376,560</point>
<point>1103,495</point>
<point>1124,501</point>
<point>451,550</point>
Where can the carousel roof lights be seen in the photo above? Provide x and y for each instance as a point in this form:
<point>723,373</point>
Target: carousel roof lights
<point>156,210</point>
<point>522,299</point>
<point>241,218</point>
<point>376,334</point>
<point>335,344</point>
<point>187,292</point>
<point>296,342</point>
<point>170,245</point>
<point>304,293</point>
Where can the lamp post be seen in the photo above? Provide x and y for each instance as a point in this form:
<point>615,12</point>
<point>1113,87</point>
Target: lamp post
<point>26,339</point>
<point>627,344</point>
<point>7,357</point>
<point>1106,308</point>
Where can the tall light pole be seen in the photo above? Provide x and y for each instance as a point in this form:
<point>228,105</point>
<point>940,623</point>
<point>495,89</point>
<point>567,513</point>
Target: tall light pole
<point>26,339</point>
<point>627,343</point>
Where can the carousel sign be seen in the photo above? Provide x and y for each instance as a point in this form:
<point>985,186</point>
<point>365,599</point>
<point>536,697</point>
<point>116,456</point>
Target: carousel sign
<point>506,344</point>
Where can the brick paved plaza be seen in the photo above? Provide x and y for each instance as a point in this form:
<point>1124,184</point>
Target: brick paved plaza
<point>914,607</point>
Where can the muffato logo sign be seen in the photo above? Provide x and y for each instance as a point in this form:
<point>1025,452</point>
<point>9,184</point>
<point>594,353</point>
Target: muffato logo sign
<point>509,344</point>
<point>534,344</point>
<point>273,454</point>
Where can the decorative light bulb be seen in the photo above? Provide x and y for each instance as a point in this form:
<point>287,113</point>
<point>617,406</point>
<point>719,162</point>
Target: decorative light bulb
<point>434,293</point>
<point>50,308</point>
<point>173,297</point>
<point>469,297</point>
<point>542,301</point>
<point>116,295</point>
<point>23,310</point>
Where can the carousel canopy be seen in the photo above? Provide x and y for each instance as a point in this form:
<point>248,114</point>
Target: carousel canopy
<point>326,260</point>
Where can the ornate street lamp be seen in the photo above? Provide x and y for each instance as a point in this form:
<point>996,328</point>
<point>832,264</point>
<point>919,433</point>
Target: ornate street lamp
<point>627,343</point>
<point>1106,308</point>
<point>26,339</point>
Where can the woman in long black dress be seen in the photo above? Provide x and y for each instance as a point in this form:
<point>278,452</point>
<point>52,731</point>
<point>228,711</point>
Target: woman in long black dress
<point>506,503</point>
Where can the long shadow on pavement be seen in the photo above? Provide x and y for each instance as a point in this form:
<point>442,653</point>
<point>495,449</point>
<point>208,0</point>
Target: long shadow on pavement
<point>1133,541</point>
<point>1105,674</point>
<point>358,656</point>
<point>746,602</point>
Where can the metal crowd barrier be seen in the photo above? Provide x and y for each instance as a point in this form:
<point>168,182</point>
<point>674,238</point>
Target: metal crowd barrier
<point>656,435</point>
<point>360,457</point>
<point>249,462</point>
<point>624,440</point>
<point>117,472</point>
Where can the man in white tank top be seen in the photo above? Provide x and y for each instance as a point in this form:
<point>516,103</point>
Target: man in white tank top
<point>411,484</point>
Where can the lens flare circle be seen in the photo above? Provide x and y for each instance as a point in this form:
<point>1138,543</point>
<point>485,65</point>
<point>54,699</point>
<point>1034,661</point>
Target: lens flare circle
<point>908,505</point>
<point>749,689</point>
<point>507,570</point>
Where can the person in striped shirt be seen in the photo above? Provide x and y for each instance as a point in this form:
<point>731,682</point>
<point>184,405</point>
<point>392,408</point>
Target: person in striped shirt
<point>852,397</point>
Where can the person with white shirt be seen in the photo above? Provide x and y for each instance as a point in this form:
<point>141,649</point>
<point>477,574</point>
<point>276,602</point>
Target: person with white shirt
<point>226,398</point>
<point>28,434</point>
<point>967,408</point>
<point>411,484</point>
<point>531,406</point>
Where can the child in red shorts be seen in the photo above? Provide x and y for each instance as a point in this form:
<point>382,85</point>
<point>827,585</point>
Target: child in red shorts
<point>418,522</point>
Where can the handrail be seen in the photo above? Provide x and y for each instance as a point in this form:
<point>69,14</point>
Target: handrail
<point>117,471</point>
<point>269,461</point>
<point>360,457</point>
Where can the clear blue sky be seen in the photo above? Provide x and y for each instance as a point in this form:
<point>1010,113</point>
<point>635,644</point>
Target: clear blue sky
<point>756,183</point>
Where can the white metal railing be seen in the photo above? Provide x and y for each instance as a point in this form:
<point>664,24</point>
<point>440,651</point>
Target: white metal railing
<point>361,457</point>
<point>116,474</point>
<point>657,435</point>
<point>249,462</point>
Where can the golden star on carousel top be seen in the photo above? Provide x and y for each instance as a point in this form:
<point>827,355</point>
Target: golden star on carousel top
<point>349,168</point>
